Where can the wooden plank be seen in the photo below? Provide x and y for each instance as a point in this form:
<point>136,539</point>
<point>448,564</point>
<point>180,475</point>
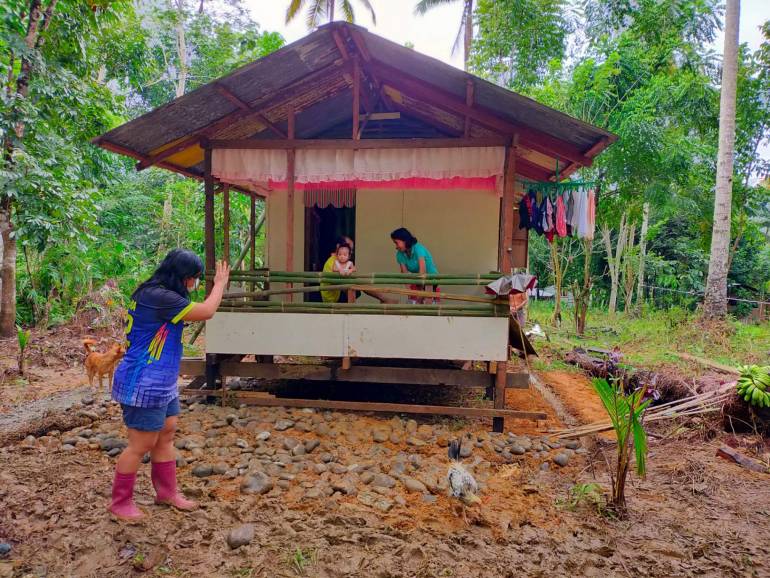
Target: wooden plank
<point>499,395</point>
<point>531,138</point>
<point>402,143</point>
<point>226,222</point>
<point>356,99</point>
<point>384,116</point>
<point>505,249</point>
<point>208,217</point>
<point>731,454</point>
<point>258,398</point>
<point>253,237</point>
<point>358,374</point>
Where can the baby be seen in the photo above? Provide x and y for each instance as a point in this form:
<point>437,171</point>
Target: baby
<point>344,266</point>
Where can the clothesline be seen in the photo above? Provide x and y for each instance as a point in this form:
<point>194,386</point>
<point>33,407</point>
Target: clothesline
<point>701,294</point>
<point>571,212</point>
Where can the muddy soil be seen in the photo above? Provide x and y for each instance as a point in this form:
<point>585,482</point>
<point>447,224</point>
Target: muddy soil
<point>349,506</point>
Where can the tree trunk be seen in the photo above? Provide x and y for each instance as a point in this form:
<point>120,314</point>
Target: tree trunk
<point>181,49</point>
<point>715,303</point>
<point>468,31</point>
<point>7,272</point>
<point>642,256</point>
<point>614,261</point>
<point>629,275</point>
<point>557,282</point>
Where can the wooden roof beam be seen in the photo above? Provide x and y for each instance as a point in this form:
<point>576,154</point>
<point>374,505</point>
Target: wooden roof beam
<point>469,89</point>
<point>229,119</point>
<point>229,95</point>
<point>373,143</point>
<point>598,147</point>
<point>530,137</point>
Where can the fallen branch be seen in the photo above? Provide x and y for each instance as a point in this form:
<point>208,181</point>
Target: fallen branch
<point>731,454</point>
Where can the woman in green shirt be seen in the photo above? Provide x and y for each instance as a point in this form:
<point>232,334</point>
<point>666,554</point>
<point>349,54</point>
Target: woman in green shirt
<point>413,257</point>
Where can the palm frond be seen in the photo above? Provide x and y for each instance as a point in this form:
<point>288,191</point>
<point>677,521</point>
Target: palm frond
<point>315,13</point>
<point>294,7</point>
<point>424,5</point>
<point>347,11</point>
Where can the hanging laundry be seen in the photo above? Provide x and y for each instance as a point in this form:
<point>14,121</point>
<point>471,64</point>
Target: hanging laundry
<point>591,211</point>
<point>582,209</point>
<point>561,217</point>
<point>576,209</point>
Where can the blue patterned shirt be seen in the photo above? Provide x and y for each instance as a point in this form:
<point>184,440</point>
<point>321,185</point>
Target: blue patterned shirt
<point>147,375</point>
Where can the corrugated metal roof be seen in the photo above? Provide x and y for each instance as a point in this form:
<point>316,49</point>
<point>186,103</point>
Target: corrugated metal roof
<point>313,76</point>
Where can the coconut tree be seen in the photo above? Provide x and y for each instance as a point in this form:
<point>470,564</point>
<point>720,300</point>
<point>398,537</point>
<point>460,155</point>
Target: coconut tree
<point>318,10</point>
<point>715,304</point>
<point>466,24</point>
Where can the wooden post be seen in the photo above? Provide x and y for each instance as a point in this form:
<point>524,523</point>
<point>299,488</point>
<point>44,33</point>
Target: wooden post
<point>291,156</point>
<point>253,236</point>
<point>356,98</point>
<point>226,222</point>
<point>208,220</point>
<point>500,380</point>
<point>504,260</point>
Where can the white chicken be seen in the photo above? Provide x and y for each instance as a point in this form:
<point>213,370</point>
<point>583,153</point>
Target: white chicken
<point>462,484</point>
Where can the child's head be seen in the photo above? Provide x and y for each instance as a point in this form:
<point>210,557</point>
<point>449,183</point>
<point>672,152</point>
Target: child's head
<point>343,253</point>
<point>178,272</point>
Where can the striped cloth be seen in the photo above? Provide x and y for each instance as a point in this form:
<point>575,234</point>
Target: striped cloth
<point>336,197</point>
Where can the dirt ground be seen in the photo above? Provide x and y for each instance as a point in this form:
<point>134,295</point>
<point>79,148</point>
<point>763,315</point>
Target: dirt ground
<point>366,495</point>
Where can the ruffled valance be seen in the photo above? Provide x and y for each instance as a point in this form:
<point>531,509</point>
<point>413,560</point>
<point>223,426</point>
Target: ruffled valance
<point>482,166</point>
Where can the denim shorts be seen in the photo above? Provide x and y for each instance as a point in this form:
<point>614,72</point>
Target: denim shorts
<point>149,418</point>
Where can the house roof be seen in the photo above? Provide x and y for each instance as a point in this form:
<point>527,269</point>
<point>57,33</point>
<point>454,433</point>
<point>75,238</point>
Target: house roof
<point>415,96</point>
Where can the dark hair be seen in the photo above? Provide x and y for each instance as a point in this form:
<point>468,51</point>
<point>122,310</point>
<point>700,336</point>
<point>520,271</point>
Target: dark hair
<point>341,240</point>
<point>404,235</point>
<point>178,265</point>
<point>344,246</point>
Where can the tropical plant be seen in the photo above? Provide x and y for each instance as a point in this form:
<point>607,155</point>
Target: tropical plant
<point>466,24</point>
<point>23,336</point>
<point>626,412</point>
<point>317,10</point>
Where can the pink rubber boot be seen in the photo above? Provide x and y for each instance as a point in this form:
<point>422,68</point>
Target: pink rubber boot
<point>164,481</point>
<point>122,506</point>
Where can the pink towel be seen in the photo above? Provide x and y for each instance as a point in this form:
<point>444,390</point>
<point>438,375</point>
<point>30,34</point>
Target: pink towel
<point>591,215</point>
<point>561,217</point>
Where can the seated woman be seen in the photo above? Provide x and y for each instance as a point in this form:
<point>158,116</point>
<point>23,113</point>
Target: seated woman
<point>414,257</point>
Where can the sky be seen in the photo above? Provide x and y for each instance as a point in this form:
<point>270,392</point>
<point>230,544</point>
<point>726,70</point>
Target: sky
<point>434,34</point>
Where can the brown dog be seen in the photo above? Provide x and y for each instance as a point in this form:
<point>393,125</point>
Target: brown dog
<point>102,364</point>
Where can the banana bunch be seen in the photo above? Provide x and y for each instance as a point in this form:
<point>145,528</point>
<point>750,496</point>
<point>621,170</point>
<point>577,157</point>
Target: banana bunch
<point>753,385</point>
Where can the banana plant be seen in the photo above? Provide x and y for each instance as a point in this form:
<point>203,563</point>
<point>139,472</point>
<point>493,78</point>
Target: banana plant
<point>626,413</point>
<point>23,336</point>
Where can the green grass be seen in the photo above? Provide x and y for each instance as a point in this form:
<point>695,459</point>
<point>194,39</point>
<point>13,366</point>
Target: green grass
<point>653,338</point>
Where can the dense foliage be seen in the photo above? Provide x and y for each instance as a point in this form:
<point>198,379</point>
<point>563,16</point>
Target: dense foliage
<point>644,70</point>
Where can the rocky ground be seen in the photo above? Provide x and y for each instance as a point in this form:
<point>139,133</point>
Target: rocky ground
<point>309,493</point>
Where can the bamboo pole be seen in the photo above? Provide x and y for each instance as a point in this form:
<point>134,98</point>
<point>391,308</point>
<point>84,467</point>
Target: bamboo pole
<point>356,311</point>
<point>373,306</point>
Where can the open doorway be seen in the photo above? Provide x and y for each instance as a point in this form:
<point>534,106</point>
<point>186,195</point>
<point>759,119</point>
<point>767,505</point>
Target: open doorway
<point>322,228</point>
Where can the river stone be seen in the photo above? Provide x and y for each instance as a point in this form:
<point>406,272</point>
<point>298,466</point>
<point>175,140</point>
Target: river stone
<point>561,459</point>
<point>397,468</point>
<point>516,449</point>
<point>323,429</point>
<point>114,452</point>
<point>326,457</point>
<point>339,469</point>
<point>67,448</point>
<point>413,441</point>
<point>545,466</point>
<point>374,501</point>
<point>411,426</point>
<point>506,455</point>
<point>87,400</point>
<point>383,481</point>
<point>283,424</point>
<point>202,471</point>
<point>395,437</point>
<point>380,435</point>
<point>570,444</point>
<point>263,436</point>
<point>256,483</point>
<point>424,432</point>
<point>289,443</point>
<point>320,468</point>
<point>310,445</point>
<point>465,450</point>
<point>220,468</point>
<point>241,443</point>
<point>298,450</point>
<point>240,536</point>
<point>5,549</point>
<point>366,477</point>
<point>413,485</point>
